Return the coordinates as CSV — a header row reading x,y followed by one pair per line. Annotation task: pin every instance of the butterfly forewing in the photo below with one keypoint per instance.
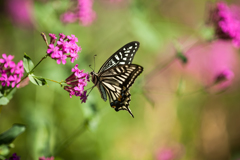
x,y
123,56
121,75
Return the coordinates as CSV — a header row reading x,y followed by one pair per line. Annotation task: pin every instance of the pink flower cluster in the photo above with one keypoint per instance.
x,y
83,13
227,22
11,73
76,83
66,48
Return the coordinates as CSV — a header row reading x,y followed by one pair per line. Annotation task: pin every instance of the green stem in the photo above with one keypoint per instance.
x,y
159,68
27,74
55,81
1,108
74,135
199,90
38,64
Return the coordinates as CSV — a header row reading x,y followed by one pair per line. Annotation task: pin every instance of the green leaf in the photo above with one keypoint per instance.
x,y
4,150
3,100
182,57
27,63
39,81
8,136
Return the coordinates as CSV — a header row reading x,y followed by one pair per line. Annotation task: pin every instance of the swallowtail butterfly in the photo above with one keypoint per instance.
x,y
117,75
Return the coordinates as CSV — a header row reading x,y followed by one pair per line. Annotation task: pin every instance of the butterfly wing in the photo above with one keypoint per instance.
x,y
116,82
123,56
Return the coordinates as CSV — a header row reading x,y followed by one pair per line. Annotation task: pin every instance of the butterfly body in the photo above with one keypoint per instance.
x,y
117,75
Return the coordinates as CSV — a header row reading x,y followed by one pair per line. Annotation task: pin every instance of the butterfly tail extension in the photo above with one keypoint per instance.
x,y
129,110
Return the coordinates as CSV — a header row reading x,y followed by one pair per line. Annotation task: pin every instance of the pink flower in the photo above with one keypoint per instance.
x,y
11,73
83,13
226,20
43,158
52,50
7,60
61,58
68,17
53,36
224,75
170,153
165,154
84,97
76,83
4,79
19,68
24,82
20,12
66,48
14,79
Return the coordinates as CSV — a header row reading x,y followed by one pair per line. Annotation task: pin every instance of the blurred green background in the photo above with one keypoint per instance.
x,y
199,126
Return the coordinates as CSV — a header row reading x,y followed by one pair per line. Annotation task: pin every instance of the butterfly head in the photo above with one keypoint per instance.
x,y
94,77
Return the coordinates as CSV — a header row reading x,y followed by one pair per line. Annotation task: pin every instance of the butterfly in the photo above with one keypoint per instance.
x,y
117,75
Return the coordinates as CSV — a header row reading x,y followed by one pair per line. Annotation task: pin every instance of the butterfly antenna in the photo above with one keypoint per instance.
x,y
91,67
128,109
94,61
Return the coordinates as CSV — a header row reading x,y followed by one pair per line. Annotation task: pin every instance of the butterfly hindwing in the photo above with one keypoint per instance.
x,y
103,92
122,102
123,56
117,81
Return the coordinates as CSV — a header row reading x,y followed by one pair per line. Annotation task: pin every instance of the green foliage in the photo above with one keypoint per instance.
x,y
27,63
39,81
4,150
8,136
3,100
182,57
6,96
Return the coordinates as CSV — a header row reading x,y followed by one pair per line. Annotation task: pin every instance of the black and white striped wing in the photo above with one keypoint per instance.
x,y
123,56
116,81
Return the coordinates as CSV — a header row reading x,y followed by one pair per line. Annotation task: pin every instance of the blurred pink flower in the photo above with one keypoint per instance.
x,y
165,154
20,11
83,13
212,63
68,17
224,75
43,158
24,82
226,20
170,153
